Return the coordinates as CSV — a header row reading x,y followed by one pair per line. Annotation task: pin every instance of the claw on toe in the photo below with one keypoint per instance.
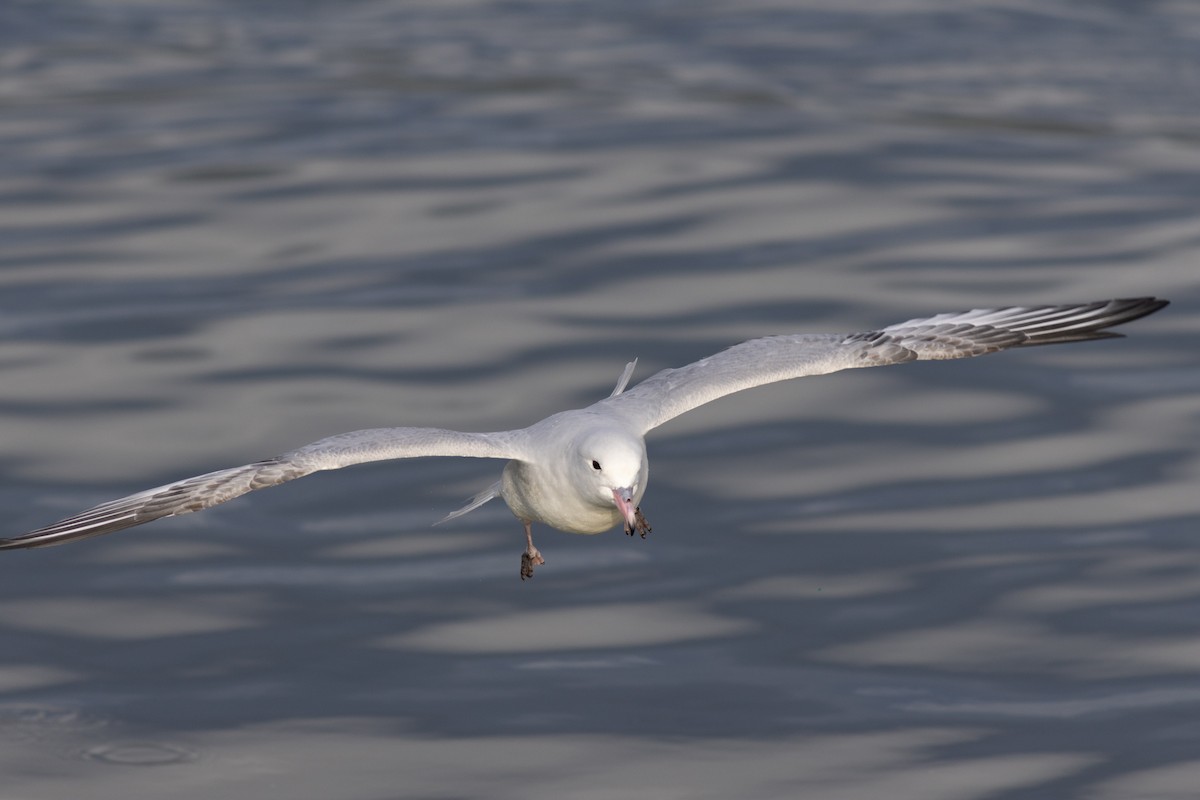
x,y
639,524
529,560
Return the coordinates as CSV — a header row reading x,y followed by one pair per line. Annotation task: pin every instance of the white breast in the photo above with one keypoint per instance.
x,y
545,495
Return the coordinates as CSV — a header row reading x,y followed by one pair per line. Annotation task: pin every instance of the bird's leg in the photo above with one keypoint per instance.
x,y
531,557
639,524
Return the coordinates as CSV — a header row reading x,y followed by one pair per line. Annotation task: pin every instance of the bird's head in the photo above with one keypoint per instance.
x,y
612,465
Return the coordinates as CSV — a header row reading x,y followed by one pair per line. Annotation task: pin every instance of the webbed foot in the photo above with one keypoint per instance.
x,y
639,524
529,559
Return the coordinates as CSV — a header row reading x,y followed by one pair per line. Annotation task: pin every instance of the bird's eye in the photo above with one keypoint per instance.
x,y
596,465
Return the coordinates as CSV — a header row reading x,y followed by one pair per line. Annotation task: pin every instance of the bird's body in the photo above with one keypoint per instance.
x,y
585,470
541,487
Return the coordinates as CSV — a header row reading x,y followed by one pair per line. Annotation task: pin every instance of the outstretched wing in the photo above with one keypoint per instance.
x,y
671,392
213,488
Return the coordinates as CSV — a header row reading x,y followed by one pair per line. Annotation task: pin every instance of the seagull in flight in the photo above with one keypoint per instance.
x,y
585,470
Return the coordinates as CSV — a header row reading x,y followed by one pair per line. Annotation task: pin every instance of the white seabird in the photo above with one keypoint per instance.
x,y
585,470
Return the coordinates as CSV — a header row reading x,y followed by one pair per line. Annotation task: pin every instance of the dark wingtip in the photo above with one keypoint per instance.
x,y
42,538
71,529
1109,314
22,542
1131,308
1127,309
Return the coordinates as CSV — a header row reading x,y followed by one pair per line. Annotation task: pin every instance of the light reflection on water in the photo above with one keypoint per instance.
x,y
229,230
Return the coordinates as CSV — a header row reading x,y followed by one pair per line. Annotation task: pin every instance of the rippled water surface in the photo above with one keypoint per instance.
x,y
227,229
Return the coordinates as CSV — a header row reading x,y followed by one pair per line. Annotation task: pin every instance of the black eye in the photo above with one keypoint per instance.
x,y
595,465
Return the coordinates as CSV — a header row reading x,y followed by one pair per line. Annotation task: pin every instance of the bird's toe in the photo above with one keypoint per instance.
x,y
643,527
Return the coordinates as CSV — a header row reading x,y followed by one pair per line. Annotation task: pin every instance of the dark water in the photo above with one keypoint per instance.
x,y
227,229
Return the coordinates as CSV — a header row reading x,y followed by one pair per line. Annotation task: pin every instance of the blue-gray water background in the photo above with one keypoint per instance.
x,y
229,228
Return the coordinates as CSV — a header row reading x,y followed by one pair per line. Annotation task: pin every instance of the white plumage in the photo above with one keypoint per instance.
x,y
585,470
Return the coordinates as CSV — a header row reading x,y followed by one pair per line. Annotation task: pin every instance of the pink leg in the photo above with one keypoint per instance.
x,y
531,557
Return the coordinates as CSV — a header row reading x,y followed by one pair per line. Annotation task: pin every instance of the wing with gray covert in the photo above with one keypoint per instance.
x,y
671,392
213,488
